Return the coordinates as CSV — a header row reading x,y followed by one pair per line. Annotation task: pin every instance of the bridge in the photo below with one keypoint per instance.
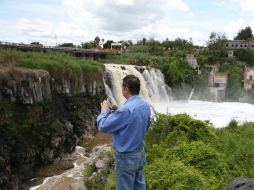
x,y
77,52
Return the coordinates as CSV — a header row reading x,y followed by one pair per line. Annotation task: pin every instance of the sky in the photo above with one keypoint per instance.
x,y
52,22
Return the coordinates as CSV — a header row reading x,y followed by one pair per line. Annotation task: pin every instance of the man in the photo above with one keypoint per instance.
x,y
128,124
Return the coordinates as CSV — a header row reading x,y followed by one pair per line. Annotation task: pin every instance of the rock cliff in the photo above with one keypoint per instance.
x,y
41,119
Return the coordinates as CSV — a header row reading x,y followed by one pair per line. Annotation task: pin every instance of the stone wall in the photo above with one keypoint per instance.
x,y
42,119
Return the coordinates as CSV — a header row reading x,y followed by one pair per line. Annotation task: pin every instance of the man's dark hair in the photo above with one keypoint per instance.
x,y
132,83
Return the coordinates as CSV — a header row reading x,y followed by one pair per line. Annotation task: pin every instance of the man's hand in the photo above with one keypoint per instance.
x,y
113,108
104,105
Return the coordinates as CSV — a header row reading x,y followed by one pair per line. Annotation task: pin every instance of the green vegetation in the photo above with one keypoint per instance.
x,y
59,65
244,34
97,178
246,55
184,153
26,123
177,71
150,54
237,141
88,172
234,85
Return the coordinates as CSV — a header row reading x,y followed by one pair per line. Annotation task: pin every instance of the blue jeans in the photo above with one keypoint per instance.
x,y
129,170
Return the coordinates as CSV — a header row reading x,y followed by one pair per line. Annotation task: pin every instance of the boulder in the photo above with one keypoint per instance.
x,y
241,184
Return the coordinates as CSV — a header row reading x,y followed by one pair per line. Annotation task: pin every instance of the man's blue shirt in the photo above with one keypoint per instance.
x,y
128,124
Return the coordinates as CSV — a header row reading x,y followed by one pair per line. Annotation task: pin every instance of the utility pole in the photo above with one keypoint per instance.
x,y
56,39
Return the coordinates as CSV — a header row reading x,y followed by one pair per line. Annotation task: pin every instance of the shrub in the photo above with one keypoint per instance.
x,y
177,129
205,159
184,153
237,145
163,175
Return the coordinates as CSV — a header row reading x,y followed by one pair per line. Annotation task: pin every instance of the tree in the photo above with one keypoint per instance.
x,y
87,45
178,44
234,83
107,44
217,50
177,71
97,41
37,44
154,47
126,44
67,45
142,42
244,34
246,55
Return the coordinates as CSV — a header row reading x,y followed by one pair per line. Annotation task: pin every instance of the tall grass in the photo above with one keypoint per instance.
x,y
238,143
139,58
60,65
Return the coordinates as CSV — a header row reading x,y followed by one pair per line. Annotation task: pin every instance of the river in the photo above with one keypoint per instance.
x,y
218,113
85,154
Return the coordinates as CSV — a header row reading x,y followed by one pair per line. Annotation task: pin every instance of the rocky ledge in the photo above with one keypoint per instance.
x,y
241,184
42,119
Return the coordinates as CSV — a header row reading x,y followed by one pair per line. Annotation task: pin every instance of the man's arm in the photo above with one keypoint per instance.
x,y
112,122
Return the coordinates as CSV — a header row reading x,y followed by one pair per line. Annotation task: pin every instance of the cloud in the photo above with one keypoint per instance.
x,y
177,5
116,20
247,7
234,26
36,27
244,8
123,16
82,20
44,30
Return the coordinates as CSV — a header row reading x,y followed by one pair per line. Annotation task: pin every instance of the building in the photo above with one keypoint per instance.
x,y
217,82
230,53
191,59
240,44
248,82
117,45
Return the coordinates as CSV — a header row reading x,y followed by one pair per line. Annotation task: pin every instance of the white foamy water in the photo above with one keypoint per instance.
x,y
157,93
219,114
73,178
70,179
153,87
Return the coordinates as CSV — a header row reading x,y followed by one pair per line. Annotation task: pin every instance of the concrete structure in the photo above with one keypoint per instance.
x,y
116,45
248,82
77,52
230,53
240,44
217,82
191,59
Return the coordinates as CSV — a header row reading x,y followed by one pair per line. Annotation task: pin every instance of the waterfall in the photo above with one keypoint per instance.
x,y
153,87
191,93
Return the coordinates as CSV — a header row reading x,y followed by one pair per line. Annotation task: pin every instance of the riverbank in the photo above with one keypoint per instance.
x,y
62,173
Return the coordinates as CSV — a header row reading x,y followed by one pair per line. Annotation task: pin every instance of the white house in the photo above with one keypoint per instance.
x,y
217,82
248,82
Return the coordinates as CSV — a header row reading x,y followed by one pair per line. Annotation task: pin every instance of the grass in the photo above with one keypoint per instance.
x,y
135,59
59,65
238,145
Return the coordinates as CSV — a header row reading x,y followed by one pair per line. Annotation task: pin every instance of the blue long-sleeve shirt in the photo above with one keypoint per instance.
x,y
128,124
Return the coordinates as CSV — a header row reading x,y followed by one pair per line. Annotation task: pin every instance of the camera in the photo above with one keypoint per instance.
x,y
112,107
